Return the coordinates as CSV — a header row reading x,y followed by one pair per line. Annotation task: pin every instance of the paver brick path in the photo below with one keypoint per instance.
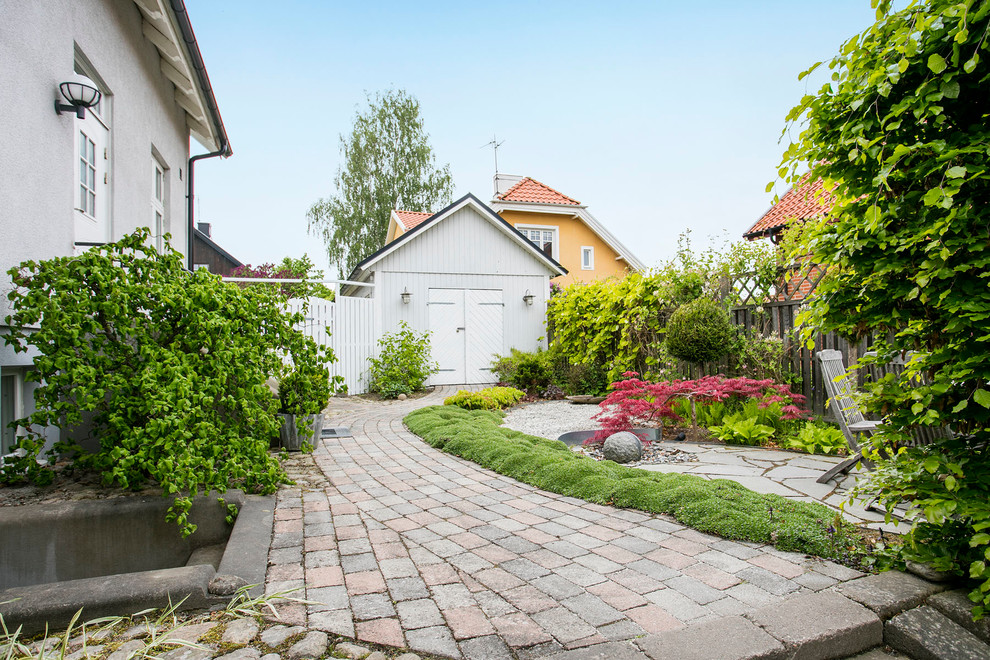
x,y
405,545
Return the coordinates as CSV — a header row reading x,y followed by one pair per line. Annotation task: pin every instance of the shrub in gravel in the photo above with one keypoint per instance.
x,y
718,506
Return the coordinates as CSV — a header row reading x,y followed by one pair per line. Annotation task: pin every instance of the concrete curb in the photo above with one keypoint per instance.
x,y
244,561
55,603
246,555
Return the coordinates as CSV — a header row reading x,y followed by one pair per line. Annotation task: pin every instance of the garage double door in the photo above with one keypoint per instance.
x,y
465,333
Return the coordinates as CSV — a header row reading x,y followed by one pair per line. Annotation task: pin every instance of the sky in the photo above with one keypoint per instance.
x,y
659,116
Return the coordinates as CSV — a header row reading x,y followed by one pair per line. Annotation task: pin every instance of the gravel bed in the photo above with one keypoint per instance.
x,y
551,419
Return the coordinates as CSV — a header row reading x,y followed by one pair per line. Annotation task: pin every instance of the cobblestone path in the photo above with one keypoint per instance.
x,y
400,544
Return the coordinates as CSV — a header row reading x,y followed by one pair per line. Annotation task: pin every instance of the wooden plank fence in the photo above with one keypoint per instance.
x,y
771,312
346,326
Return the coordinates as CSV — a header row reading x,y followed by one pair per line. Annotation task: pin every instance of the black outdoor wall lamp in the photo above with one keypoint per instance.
x,y
406,296
81,93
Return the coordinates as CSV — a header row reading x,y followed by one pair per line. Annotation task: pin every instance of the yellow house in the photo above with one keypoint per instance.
x,y
563,228
560,226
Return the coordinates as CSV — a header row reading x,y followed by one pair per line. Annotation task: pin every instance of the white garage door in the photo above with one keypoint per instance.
x,y
466,334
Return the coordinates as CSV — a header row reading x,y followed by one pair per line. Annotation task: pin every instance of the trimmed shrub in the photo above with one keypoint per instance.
x,y
700,331
490,398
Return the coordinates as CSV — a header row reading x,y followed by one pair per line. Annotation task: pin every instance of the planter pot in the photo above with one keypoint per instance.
x,y
317,428
289,436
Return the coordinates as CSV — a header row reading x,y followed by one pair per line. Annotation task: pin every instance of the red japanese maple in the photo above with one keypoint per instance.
x,y
639,403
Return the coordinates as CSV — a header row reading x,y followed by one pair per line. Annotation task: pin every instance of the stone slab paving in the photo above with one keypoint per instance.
x,y
402,545
786,473
789,474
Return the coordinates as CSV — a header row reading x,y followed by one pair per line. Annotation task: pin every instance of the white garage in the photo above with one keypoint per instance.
x,y
470,279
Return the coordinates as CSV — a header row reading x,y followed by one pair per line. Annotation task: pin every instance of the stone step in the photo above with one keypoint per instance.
x,y
924,633
957,606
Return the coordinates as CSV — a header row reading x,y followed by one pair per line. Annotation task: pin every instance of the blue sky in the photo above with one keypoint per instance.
x,y
660,116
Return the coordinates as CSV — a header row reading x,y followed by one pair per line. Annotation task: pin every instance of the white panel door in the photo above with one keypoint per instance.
x,y
447,335
92,199
484,333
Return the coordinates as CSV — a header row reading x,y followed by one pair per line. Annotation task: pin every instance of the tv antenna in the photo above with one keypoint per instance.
x,y
494,144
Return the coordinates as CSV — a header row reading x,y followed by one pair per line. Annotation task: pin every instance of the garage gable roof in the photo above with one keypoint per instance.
x,y
484,211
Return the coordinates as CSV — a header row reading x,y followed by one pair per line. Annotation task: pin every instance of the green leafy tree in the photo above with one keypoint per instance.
x,y
388,164
168,367
288,269
901,131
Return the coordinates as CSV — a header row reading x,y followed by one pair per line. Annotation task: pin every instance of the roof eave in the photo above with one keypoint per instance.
x,y
209,241
556,208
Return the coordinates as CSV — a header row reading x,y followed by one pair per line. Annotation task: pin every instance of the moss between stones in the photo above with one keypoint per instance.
x,y
718,506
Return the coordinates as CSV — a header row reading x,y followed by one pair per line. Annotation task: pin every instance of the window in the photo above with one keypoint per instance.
x,y
587,257
159,226
544,238
87,175
91,198
9,384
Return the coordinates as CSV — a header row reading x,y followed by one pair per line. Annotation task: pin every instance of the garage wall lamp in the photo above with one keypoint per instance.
x,y
81,93
406,296
528,297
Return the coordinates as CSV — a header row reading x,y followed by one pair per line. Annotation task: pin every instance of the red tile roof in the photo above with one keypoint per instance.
x,y
531,190
410,219
801,202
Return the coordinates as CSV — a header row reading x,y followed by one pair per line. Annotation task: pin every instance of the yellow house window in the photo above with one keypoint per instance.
x,y
587,257
544,238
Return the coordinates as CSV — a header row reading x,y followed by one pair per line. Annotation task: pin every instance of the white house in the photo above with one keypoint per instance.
x,y
78,179
469,278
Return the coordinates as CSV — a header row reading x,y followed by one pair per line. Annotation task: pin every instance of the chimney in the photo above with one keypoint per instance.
x,y
505,181
204,227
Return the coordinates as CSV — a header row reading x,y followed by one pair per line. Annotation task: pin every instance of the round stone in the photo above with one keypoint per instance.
x,y
226,585
622,447
402,397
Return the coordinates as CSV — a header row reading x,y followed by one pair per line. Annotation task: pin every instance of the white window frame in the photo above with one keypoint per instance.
x,y
590,251
555,238
159,196
96,228
17,399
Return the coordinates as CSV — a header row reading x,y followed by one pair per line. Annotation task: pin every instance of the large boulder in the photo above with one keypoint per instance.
x,y
622,447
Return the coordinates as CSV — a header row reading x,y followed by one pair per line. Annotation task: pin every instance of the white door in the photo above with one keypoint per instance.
x,y
92,199
484,333
447,333
465,334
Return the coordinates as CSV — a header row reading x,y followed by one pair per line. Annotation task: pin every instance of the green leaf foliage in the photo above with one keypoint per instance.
x,y
901,135
700,331
388,164
817,438
490,398
718,506
167,367
403,363
619,323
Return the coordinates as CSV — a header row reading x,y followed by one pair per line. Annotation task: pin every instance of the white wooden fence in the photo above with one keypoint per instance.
x,y
347,326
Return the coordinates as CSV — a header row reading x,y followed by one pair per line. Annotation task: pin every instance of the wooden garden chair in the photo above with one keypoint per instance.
x,y
846,412
920,435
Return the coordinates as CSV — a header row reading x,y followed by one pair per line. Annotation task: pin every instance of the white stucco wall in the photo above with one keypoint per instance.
x,y
39,40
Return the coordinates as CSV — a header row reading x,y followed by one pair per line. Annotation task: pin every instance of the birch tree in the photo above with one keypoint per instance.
x,y
387,163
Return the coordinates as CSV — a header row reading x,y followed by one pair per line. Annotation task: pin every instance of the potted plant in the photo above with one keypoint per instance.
x,y
303,393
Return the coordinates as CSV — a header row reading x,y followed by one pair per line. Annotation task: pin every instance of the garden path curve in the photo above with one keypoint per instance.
x,y
400,544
